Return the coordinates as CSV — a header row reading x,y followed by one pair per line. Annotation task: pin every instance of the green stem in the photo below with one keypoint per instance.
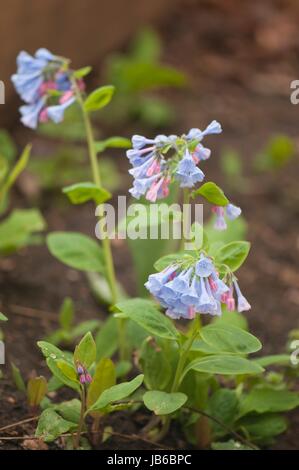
x,y
105,242
81,421
186,198
178,375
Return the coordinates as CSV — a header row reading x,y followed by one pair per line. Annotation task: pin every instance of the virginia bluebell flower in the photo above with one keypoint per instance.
x,y
44,82
166,159
228,298
187,172
185,292
231,211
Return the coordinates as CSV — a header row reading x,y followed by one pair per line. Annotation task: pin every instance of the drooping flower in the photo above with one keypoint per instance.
x,y
230,210
187,173
166,159
185,292
29,76
44,82
31,113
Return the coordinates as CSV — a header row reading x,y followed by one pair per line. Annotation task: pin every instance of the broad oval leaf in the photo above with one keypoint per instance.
x,y
167,260
155,365
60,374
262,427
82,192
146,314
85,351
99,98
51,425
224,365
3,317
268,400
212,193
76,250
162,403
230,339
116,393
49,350
103,378
67,369
233,254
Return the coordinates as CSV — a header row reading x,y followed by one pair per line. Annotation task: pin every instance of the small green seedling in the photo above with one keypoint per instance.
x,y
35,390
95,384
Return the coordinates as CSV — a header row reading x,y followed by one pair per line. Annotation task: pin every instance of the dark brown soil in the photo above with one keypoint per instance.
x,y
241,60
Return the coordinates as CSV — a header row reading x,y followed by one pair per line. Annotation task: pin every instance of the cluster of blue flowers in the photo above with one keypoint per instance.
x,y
196,289
153,170
43,82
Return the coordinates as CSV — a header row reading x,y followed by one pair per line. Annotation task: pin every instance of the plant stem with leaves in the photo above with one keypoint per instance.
x,y
81,420
109,264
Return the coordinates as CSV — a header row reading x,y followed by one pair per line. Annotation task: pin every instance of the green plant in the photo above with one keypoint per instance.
x,y
94,382
135,75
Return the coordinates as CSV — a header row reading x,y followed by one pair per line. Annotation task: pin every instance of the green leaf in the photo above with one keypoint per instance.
x,y
3,168
212,193
62,372
99,98
224,365
116,393
104,377
66,314
76,250
82,192
268,400
67,370
162,403
82,328
114,142
3,317
231,318
233,254
167,260
49,350
51,425
122,368
274,359
224,406
131,75
18,168
82,72
230,339
263,427
36,390
18,227
229,445
278,152
106,339
69,410
85,351
147,45
155,365
147,315
17,378
8,148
